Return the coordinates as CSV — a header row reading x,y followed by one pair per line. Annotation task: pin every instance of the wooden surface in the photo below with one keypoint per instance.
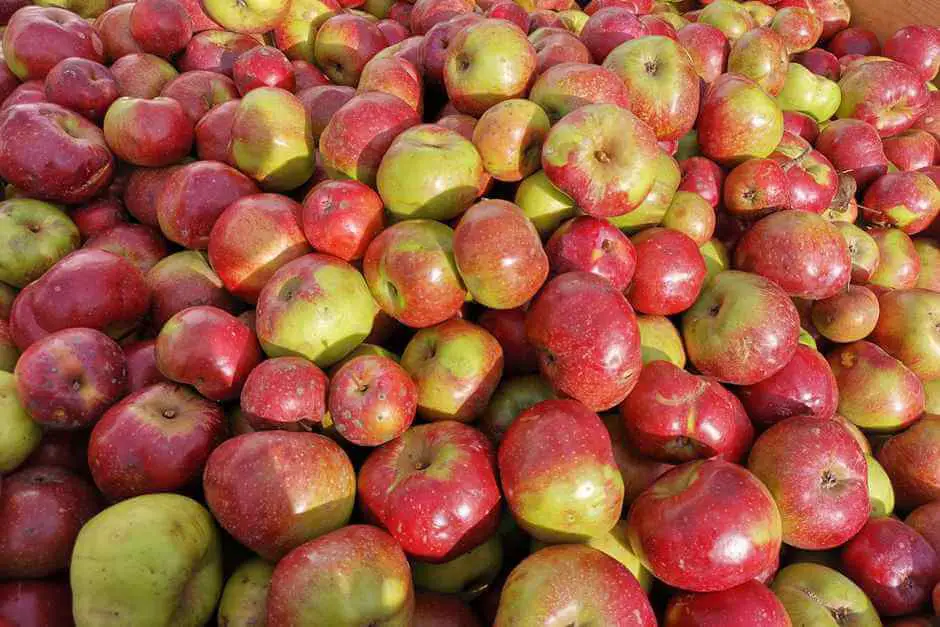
x,y
886,16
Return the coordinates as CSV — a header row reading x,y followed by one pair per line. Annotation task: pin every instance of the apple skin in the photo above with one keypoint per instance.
x,y
899,265
609,27
372,400
142,371
593,245
284,393
699,557
150,133
376,586
756,188
656,414
562,88
801,252
307,75
821,62
344,44
182,280
886,94
42,509
600,589
144,186
737,310
155,440
906,200
244,598
542,495
669,274
554,46
161,27
113,27
396,76
321,102
141,75
508,327
510,11
818,595
800,27
543,203
738,121
928,251
740,605
707,47
509,137
9,353
603,157
876,391
296,34
200,91
848,316
456,366
215,51
341,218
252,238
703,177
895,566
730,18
854,40
213,133
360,132
801,125
912,150
68,379
930,120
442,610
923,520
411,271
574,324
918,47
280,508
906,330
854,146
512,397
26,93
487,62
35,235
193,198
910,459
317,307
432,49
98,216
426,14
812,179
82,85
142,245
37,38
208,348
36,602
53,154
257,16
263,66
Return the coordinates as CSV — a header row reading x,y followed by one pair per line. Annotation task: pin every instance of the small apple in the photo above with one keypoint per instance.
x,y
182,280
909,201
150,133
141,75
161,27
508,327
898,266
36,38
593,245
372,400
34,235
284,393
215,51
245,596
669,274
200,91
849,316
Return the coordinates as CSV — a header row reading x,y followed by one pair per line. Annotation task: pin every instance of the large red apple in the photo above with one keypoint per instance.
x,y
670,272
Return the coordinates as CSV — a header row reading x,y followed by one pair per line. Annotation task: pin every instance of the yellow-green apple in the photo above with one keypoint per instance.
x,y
244,599
279,508
141,75
488,62
814,594
906,200
499,255
141,245
426,14
560,503
718,547
562,88
82,85
270,139
876,391
37,38
738,120
113,27
321,102
742,329
344,44
544,205
910,461
372,400
434,489
599,588
848,316
411,271
34,235
360,132
594,245
249,16
149,133
898,265
661,82
155,440
395,76
587,339
185,279
512,397
888,95
660,340
928,251
432,49
670,272
200,91
297,32
166,570
161,27
357,575
906,329
813,181
508,327
215,51
509,138
707,47
650,212
609,27
51,153
456,366
799,26
808,93
880,490
554,46
341,218
913,149
603,157
853,146
451,167
738,605
318,307
731,18
284,393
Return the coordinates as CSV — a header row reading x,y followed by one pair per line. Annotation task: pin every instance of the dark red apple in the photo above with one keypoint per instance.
x,y
854,40
215,51
756,188
912,150
142,245
82,85
36,38
98,216
443,610
284,393
36,603
185,279
142,368
151,133
593,245
213,133
200,91
609,27
263,66
161,27
912,461
508,327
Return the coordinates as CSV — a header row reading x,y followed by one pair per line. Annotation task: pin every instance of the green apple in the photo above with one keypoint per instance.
x,y
728,16
806,92
543,203
660,340
651,211
817,595
244,599
247,16
467,575
297,32
511,398
33,236
880,490
151,561
716,257
19,435
573,19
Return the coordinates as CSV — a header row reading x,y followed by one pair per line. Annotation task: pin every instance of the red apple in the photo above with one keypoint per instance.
x,y
344,44
801,125
756,188
321,103
736,606
738,121
609,27
213,133
910,459
141,75
432,49
511,12
284,393
508,327
669,274
924,520
151,133
703,177
443,610
342,218
593,245
428,13
918,47
114,28
909,201
556,45
142,368
913,149
899,265
37,38
848,316
98,216
707,47
141,245
161,27
854,146
821,62
307,75
143,187
395,76
36,603
888,95
182,280
854,40
215,51
263,66
199,92
800,27
812,179
372,400
393,31
26,93
82,85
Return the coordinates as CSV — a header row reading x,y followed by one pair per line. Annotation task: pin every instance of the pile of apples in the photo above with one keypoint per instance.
x,y
453,313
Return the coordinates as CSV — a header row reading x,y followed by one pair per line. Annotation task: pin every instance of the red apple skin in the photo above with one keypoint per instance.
x,y
161,27
37,38
670,272
200,21
36,603
912,150
213,133
143,188
341,218
893,564
930,120
41,511
673,416
812,179
912,461
609,27
854,146
577,324
637,471
393,31
821,62
590,244
917,47
543,495
114,28
750,603
756,188
284,393
640,7
854,40
263,66
400,11
372,400
208,348
804,387
566,86
924,520
26,93
360,40
68,379
195,196
432,50
97,216
321,102
82,85
442,610
142,75
65,449
511,12
544,18
142,368
703,177
151,133
428,13
909,201
556,45
155,440
183,280
307,75
215,51
434,489
803,253
708,47
729,130
888,95
899,265
730,534
508,327
801,125
254,236
199,92
279,508
141,245
53,154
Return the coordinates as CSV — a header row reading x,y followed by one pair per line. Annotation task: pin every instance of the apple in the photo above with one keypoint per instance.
x,y
254,16
26,93
35,602
813,181
317,307
707,47
182,280
906,330
909,459
433,46
113,27
82,85
200,91
818,595
718,546
215,51
244,598
543,203
144,186
918,47
876,391
660,341
279,508
923,521
141,75
906,200
928,251
930,120
738,120
372,400
19,435
853,146
284,393
898,266
756,188
886,94
738,605
213,133
669,274
142,368
161,27
554,46
321,102
37,38
510,11
296,33
821,62
376,586
396,76
141,245
508,327
806,92
341,218
849,316
150,133
599,589
169,427
97,216
442,610
34,235
729,17
307,75
344,44
913,149
562,88
487,62
880,490
703,177
800,27
608,27
166,570
650,212
509,138
863,250
855,40
512,397
455,366
593,245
